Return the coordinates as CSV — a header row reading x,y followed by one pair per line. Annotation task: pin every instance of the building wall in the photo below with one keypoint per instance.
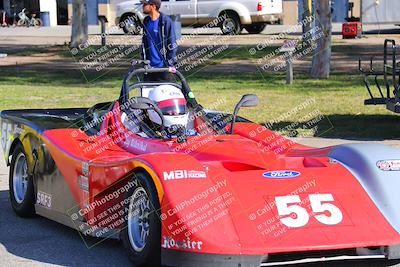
x,y
51,7
105,8
290,14
357,8
69,11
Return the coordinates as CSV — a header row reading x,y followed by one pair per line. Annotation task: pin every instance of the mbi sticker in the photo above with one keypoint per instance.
x,y
281,174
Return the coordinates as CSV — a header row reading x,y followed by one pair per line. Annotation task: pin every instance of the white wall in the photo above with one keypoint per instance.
x,y
7,6
51,7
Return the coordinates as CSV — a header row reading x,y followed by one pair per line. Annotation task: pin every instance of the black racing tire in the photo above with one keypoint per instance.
x,y
147,253
255,29
23,204
131,24
231,24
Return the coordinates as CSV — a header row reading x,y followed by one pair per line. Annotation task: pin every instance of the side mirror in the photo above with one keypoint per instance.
x,y
246,101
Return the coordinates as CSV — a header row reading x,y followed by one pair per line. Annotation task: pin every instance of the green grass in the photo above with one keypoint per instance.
x,y
338,100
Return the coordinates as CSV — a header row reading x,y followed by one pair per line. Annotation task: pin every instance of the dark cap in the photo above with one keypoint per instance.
x,y
157,3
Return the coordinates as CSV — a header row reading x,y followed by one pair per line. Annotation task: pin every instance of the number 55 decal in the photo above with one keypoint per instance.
x,y
287,205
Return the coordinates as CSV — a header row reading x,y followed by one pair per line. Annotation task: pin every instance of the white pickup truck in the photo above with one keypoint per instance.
x,y
232,15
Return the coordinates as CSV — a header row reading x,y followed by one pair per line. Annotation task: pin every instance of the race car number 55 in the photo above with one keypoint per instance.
x,y
288,206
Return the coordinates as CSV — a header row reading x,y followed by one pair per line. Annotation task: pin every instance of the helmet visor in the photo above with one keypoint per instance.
x,y
173,107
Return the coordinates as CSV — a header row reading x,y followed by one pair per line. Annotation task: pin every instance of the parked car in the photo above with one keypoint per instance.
x,y
253,15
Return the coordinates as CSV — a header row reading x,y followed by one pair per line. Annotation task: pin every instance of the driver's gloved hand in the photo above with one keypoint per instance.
x,y
177,131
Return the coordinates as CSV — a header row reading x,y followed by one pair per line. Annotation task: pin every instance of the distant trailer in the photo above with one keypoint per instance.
x,y
380,12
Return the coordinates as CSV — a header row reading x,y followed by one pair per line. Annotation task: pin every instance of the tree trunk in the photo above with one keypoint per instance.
x,y
307,8
321,62
79,33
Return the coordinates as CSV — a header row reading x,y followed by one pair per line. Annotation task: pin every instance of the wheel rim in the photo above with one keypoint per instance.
x,y
20,178
131,26
138,219
228,25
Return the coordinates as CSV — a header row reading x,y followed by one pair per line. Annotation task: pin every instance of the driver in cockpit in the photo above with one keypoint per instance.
x,y
172,103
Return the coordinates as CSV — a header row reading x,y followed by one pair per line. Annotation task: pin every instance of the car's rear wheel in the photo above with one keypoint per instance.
x,y
131,24
255,29
141,235
231,24
21,189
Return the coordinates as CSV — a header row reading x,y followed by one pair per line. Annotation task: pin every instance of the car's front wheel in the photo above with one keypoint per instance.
x,y
141,235
22,195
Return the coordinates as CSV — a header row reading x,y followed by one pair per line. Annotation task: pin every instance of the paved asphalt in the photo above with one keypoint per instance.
x,y
41,242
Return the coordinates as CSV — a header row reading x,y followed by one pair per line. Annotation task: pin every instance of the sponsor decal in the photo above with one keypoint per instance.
x,y
43,199
83,182
389,165
171,93
169,242
184,174
8,133
136,144
85,168
281,174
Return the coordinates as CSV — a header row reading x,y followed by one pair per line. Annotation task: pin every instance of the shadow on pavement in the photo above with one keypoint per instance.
x,y
39,239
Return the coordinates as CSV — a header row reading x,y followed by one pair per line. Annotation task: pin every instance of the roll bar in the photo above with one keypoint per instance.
x,y
145,69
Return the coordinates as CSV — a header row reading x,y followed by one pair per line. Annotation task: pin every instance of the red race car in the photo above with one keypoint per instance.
x,y
184,186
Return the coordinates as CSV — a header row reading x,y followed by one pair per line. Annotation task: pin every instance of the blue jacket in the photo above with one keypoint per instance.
x,y
168,39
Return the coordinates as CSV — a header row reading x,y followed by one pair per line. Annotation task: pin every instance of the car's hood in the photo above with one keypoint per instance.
x,y
259,184
248,211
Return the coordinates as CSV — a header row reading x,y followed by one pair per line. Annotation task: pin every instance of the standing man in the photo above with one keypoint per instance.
x,y
159,40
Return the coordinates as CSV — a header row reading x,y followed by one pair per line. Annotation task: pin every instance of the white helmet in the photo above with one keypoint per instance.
x,y
172,104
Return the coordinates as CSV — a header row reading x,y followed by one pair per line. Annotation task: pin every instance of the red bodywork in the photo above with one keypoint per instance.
x,y
233,210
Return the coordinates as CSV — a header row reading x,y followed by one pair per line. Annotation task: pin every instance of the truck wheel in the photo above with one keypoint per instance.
x,y
255,29
131,24
231,24
21,189
141,235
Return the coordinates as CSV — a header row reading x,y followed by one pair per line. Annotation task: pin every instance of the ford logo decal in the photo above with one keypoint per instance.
x,y
281,174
